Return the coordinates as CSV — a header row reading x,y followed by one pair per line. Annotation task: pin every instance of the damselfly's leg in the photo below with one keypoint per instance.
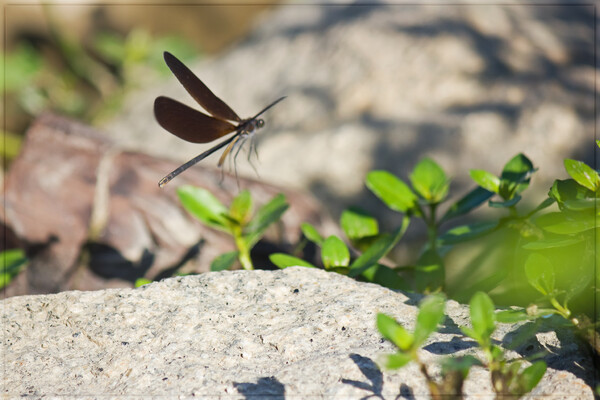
x,y
240,144
253,148
222,176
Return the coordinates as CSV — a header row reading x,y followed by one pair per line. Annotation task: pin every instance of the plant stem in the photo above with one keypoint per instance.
x,y
565,312
431,226
242,246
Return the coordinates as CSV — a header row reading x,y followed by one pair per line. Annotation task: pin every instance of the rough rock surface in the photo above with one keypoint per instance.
x,y
296,333
380,86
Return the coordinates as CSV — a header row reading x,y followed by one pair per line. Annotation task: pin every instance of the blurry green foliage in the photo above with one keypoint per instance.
x,y
11,263
141,282
91,81
245,227
85,81
336,256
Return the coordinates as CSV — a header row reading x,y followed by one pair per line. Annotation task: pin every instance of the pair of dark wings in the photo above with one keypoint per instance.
x,y
190,124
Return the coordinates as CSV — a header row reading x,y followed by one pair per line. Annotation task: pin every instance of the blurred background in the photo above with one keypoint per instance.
x,y
369,86
81,60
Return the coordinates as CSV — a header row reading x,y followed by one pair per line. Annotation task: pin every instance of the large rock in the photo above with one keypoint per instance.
x,y
296,333
380,86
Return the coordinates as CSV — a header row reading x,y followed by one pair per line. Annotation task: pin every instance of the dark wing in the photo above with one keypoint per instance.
x,y
199,91
187,123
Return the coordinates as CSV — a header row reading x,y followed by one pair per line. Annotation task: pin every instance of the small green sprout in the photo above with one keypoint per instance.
x,y
237,221
509,378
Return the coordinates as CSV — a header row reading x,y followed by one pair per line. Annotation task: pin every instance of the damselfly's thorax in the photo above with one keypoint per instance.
x,y
250,125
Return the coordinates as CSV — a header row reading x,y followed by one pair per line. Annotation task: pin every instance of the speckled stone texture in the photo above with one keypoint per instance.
x,y
296,333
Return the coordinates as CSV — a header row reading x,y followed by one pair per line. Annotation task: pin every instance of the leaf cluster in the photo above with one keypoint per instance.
x,y
11,263
238,220
509,378
86,80
363,232
532,238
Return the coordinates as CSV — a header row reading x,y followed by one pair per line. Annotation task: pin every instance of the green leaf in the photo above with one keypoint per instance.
x,y
20,67
496,353
531,376
11,263
473,199
203,205
589,204
470,332
385,276
11,260
462,364
378,250
483,318
577,284
536,312
335,253
515,176
568,189
110,46
430,181
585,175
394,332
540,273
561,223
512,316
429,272
486,180
467,232
544,204
392,191
5,279
224,261
363,244
285,260
11,145
141,282
241,207
431,314
551,243
357,224
504,204
517,168
312,234
266,215
395,361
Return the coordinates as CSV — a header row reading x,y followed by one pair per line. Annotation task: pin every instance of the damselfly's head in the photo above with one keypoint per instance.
x,y
254,124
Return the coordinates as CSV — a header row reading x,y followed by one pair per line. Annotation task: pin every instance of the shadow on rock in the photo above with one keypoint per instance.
x,y
371,372
269,388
